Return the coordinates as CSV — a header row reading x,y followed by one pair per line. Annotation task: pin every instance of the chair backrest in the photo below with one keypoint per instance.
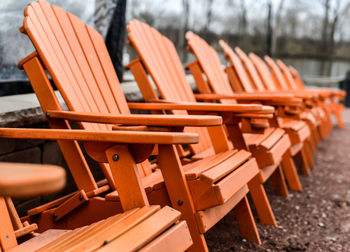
x,y
264,72
77,60
209,62
298,80
287,75
159,57
250,70
276,73
245,81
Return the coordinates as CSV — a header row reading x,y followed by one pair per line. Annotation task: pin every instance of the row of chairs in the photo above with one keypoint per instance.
x,y
206,156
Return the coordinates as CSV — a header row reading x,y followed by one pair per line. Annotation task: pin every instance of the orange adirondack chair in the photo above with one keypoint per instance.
x,y
150,228
158,56
77,60
297,130
315,117
294,82
208,63
320,110
339,94
259,79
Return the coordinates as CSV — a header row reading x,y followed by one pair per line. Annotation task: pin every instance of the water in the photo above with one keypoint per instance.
x,y
320,68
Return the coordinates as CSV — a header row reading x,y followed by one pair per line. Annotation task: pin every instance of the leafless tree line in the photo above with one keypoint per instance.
x,y
300,27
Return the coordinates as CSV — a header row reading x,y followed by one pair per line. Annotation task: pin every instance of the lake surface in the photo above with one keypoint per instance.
x,y
319,68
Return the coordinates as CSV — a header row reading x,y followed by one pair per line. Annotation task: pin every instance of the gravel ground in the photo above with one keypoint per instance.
x,y
316,219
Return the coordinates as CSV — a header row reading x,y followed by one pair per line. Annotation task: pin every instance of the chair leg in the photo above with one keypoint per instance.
x,y
336,109
309,157
304,164
178,191
261,202
246,222
317,136
337,113
313,141
290,172
279,182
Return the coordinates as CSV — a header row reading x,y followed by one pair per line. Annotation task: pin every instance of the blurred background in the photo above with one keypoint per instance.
x,y
312,35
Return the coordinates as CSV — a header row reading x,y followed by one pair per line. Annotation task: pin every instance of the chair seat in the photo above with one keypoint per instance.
x,y
147,229
214,180
269,147
310,117
297,130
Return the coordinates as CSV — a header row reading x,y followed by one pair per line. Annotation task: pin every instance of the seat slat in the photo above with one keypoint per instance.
x,y
169,241
274,138
92,236
144,232
194,170
224,168
256,139
111,230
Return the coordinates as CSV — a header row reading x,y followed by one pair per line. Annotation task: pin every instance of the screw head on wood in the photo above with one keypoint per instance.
x,y
115,157
81,197
180,202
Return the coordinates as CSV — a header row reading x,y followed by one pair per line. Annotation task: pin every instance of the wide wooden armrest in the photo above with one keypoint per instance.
x,y
27,180
325,93
266,112
305,95
139,119
198,106
127,137
246,96
267,99
295,93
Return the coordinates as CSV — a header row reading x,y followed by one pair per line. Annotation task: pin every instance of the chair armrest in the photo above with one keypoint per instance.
x,y
266,99
138,119
198,106
246,96
126,137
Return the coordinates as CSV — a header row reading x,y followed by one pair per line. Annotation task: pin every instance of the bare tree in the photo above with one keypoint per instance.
x,y
243,21
208,15
276,28
184,29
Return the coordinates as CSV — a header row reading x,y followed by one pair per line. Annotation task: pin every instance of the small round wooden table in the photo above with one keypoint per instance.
x,y
26,180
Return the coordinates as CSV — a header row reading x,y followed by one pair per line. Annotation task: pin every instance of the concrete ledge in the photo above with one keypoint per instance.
x,y
24,110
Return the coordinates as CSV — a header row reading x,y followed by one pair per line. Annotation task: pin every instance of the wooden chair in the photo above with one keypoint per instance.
x,y
241,72
77,60
159,58
261,74
282,81
149,228
216,86
328,96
